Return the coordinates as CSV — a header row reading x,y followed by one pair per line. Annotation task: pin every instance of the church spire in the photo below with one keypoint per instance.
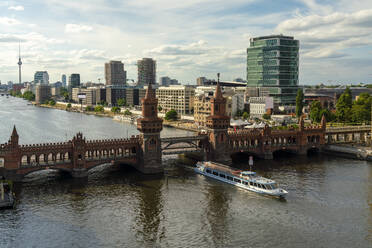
x,y
218,92
150,93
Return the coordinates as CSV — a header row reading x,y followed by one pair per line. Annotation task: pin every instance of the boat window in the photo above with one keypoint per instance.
x,y
237,180
215,173
274,186
250,183
268,186
208,171
255,184
246,183
229,178
222,175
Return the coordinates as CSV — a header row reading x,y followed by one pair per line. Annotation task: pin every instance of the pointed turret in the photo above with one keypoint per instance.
x,y
150,93
14,137
323,122
218,92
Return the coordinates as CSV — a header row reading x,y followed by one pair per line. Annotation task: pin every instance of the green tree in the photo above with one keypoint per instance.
x,y
127,112
115,109
68,106
245,115
343,106
89,108
64,93
99,108
28,95
121,102
171,115
315,111
52,102
299,102
361,109
266,116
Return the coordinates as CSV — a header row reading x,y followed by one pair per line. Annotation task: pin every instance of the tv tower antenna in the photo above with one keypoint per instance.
x,y
19,62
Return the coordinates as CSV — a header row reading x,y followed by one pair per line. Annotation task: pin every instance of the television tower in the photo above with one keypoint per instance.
x,y
19,62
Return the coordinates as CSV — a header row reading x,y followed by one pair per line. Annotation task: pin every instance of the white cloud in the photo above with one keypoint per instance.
x,y
16,8
9,21
77,28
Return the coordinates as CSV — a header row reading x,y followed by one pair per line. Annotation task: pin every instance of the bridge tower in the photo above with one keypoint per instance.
x,y
10,156
78,156
218,123
150,126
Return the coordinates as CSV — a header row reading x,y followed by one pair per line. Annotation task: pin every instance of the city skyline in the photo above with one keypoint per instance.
x,y
188,39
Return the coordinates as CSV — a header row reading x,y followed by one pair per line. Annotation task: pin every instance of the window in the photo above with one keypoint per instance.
x,y
255,184
237,180
229,178
222,175
246,183
250,183
215,173
259,185
208,171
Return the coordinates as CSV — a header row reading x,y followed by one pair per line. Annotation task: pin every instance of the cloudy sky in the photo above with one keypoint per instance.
x,y
188,38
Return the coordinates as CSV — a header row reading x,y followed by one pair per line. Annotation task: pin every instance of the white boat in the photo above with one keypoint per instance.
x,y
248,180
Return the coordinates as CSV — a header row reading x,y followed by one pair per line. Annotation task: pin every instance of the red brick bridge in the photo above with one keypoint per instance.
x,y
144,152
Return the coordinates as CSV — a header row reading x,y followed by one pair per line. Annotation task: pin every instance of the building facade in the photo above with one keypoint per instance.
x,y
146,71
258,106
114,94
41,77
74,80
272,64
179,98
202,103
64,80
42,93
115,73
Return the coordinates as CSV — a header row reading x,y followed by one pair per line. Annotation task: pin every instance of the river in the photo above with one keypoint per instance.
x,y
329,202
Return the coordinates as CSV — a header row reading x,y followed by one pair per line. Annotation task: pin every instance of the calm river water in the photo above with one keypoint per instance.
x,y
329,202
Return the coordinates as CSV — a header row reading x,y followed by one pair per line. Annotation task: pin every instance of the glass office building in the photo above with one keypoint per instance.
x,y
272,66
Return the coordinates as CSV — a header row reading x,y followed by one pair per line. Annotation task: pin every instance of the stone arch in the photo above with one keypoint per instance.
x,y
33,159
42,158
25,160
50,157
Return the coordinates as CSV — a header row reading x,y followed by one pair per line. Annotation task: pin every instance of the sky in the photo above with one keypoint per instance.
x,y
188,38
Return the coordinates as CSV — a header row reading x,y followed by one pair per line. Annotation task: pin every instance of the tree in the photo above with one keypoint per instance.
x,y
121,102
52,102
245,115
68,105
266,116
28,95
299,102
64,93
239,113
89,108
171,115
343,106
315,110
361,109
99,109
127,112
115,109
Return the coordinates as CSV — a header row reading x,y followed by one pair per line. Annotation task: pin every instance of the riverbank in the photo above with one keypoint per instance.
x,y
181,124
349,151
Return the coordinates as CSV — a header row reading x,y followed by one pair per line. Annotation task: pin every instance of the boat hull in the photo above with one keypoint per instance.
x,y
276,193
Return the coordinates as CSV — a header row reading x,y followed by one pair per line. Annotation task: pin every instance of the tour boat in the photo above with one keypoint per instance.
x,y
248,180
7,198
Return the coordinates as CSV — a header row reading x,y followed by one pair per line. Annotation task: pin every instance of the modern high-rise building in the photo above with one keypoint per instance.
x,y
272,64
41,77
74,80
64,81
146,71
115,73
